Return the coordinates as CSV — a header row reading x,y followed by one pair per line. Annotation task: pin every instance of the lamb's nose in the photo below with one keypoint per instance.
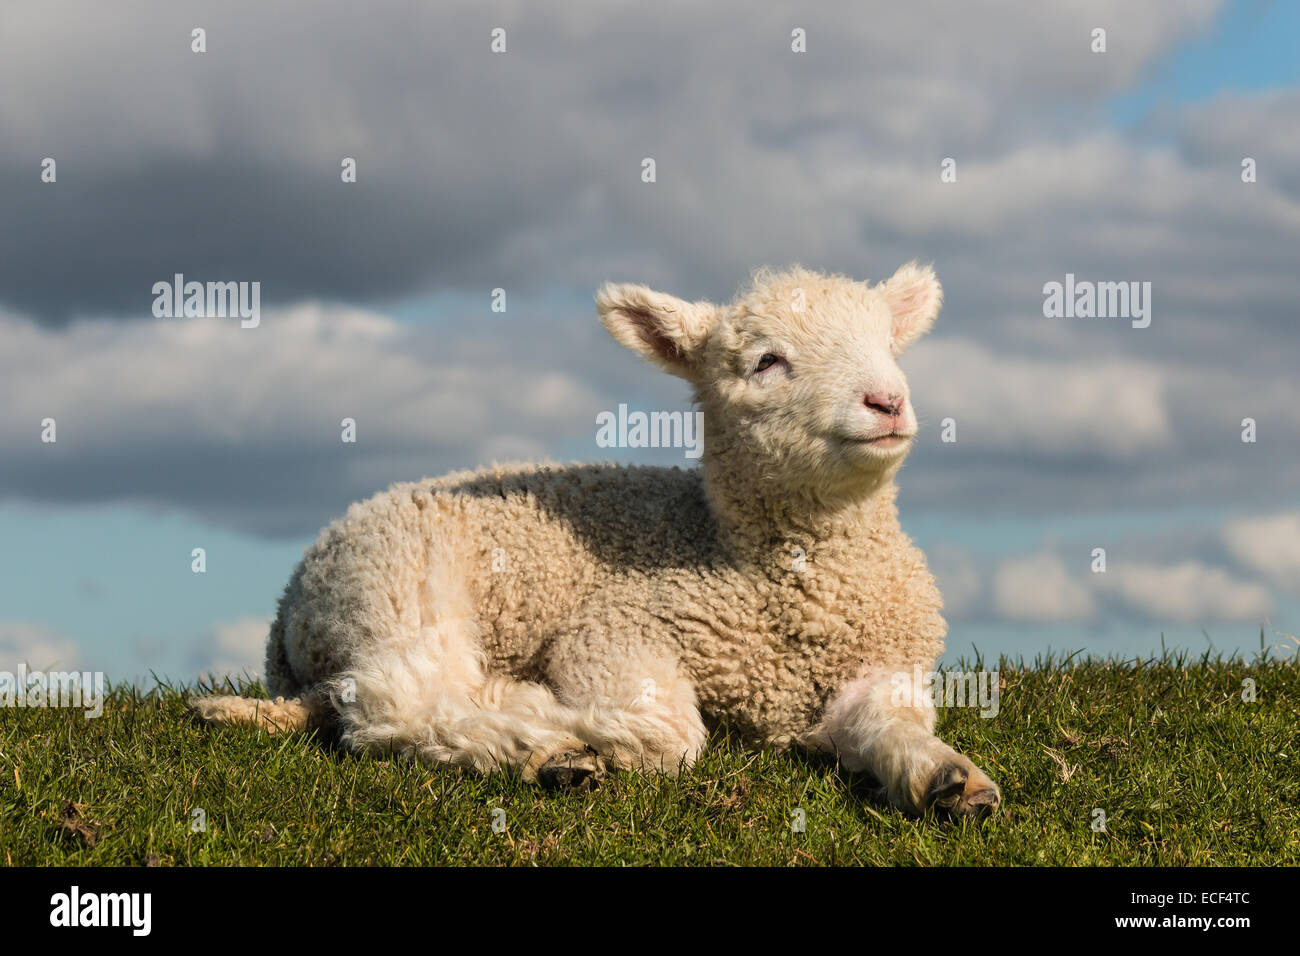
x,y
891,405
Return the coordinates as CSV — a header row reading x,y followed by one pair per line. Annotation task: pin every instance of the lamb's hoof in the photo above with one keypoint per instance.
x,y
963,792
572,770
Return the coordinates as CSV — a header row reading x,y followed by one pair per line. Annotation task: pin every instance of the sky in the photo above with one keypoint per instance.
x,y
522,171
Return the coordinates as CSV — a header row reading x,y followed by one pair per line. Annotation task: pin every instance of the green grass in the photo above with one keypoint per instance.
x,y
1186,772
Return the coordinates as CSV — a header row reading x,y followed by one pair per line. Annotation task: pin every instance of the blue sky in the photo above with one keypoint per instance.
x,y
1251,46
506,186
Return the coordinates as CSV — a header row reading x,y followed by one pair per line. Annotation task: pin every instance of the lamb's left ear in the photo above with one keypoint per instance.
x,y
914,297
668,331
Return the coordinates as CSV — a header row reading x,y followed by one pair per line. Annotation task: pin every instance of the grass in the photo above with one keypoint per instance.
x,y
1186,772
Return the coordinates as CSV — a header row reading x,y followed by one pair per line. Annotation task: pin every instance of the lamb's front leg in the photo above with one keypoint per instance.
x,y
876,725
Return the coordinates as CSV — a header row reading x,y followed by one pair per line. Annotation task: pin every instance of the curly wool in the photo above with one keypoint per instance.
x,y
574,568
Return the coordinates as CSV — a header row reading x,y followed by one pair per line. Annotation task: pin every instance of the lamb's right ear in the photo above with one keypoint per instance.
x,y
668,331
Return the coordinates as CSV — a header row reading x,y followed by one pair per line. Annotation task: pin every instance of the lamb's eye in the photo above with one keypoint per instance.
x,y
767,361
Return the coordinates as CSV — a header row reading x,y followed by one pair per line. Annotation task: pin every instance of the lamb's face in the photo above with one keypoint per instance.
x,y
798,377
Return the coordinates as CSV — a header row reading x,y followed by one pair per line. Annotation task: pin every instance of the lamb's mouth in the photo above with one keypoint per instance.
x,y
888,440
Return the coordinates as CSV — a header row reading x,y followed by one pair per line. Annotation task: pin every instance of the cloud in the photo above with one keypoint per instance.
x,y
1268,545
1186,593
1115,408
236,647
1235,122
244,425
1040,588
1157,582
33,644
1036,431
522,171
477,170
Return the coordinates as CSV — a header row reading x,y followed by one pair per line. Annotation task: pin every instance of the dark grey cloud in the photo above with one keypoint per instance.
x,y
97,246
517,169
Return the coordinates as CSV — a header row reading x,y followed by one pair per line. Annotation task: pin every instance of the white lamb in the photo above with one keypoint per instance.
x,y
559,619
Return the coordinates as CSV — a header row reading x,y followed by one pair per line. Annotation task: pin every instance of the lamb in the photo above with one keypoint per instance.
x,y
562,620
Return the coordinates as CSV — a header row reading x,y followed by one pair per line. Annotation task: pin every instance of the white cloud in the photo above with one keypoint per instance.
x,y
39,647
238,647
157,410
1115,407
293,378
1189,592
1040,588
1268,545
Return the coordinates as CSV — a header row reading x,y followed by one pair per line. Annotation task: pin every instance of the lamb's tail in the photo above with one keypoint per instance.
x,y
306,710
277,716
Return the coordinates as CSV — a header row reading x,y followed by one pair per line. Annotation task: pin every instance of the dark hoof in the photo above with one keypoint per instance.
x,y
946,786
980,802
963,792
572,770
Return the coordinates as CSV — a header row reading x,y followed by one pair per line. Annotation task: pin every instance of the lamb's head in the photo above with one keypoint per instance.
x,y
797,377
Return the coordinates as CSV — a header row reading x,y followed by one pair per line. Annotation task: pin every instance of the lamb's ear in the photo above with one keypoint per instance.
x,y
670,332
914,297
